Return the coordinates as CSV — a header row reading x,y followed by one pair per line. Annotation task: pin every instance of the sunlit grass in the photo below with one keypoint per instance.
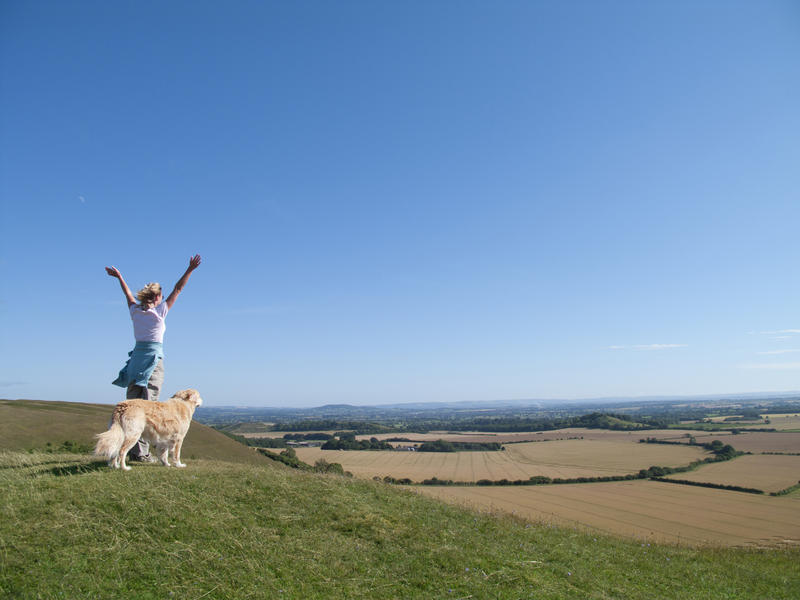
x,y
72,528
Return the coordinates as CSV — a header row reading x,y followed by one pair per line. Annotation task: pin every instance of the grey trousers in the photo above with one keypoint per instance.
x,y
142,449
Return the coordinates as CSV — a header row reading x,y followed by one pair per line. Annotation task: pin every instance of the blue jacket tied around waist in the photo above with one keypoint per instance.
x,y
141,363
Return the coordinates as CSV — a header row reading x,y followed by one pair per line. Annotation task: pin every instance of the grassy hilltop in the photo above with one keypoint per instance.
x,y
32,424
72,528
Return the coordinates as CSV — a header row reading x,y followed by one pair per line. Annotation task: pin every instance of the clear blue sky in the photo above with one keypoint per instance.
x,y
403,201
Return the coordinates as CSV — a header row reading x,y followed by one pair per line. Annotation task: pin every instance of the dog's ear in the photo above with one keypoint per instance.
x,y
192,396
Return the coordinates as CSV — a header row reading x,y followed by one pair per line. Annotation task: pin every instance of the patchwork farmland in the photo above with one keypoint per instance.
x,y
648,510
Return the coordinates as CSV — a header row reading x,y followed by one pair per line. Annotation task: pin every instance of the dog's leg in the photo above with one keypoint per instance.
x,y
123,451
163,455
177,453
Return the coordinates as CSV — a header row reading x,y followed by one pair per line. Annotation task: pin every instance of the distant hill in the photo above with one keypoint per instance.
x,y
32,424
688,407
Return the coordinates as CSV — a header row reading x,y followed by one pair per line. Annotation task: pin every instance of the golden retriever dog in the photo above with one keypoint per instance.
x,y
162,424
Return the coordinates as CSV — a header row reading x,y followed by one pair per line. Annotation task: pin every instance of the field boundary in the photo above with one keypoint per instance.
x,y
787,491
780,453
716,486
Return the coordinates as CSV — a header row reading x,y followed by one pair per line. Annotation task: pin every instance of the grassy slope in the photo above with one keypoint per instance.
x,y
31,424
72,528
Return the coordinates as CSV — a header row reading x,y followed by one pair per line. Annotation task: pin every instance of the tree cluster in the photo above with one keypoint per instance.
x,y
307,437
444,446
349,442
394,480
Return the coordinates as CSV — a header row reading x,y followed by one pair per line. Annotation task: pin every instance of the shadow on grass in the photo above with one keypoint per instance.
x,y
33,465
78,469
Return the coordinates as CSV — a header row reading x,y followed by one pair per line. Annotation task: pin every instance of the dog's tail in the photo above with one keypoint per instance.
x,y
109,442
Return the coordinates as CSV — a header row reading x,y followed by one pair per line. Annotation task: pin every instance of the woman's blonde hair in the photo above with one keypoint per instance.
x,y
148,294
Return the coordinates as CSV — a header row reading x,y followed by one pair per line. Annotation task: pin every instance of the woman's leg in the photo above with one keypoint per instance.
x,y
141,449
135,391
153,388
156,381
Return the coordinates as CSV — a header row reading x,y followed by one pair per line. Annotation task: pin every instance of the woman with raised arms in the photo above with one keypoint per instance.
x,y
143,374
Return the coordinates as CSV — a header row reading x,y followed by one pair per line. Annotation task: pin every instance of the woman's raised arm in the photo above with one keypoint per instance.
x,y
114,272
194,262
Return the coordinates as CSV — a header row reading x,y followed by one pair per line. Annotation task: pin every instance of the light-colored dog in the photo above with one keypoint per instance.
x,y
162,424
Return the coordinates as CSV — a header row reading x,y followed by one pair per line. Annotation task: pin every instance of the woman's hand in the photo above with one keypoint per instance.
x,y
114,272
194,262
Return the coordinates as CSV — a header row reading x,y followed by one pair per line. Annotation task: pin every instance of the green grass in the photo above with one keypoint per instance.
x,y
72,528
235,525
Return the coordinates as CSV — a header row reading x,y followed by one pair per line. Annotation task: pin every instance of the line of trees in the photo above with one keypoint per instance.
x,y
782,453
787,490
535,480
716,486
444,446
288,457
307,437
349,442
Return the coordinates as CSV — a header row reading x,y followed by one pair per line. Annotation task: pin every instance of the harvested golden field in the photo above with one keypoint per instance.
x,y
769,473
756,441
784,421
602,457
648,510
564,459
536,436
